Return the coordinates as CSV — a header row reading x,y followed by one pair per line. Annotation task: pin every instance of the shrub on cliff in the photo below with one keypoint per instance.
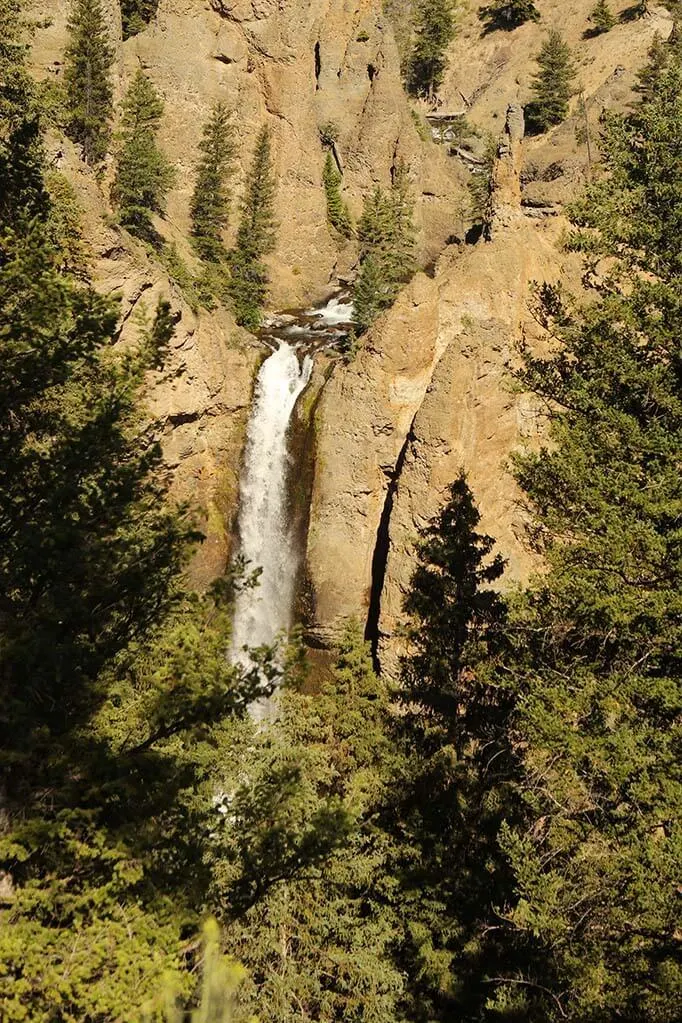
x,y
136,15
88,60
507,14
386,235
337,211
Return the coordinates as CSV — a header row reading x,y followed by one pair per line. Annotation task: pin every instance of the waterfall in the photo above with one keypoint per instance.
x,y
261,613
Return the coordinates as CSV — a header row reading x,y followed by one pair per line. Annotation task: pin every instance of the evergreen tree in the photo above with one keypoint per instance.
x,y
508,14
255,237
552,85
136,15
143,173
337,211
386,236
434,31
114,679
597,640
369,293
602,17
300,856
88,59
22,190
211,199
460,766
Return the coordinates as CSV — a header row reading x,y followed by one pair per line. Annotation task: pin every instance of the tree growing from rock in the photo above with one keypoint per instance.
x,y
434,29
210,205
143,172
552,85
386,235
337,211
602,18
88,59
507,14
255,237
136,15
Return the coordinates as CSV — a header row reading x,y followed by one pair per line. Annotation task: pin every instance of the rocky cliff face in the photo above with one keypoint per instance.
x,y
298,66
431,393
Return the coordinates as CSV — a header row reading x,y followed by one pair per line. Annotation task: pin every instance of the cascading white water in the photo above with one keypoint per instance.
x,y
263,612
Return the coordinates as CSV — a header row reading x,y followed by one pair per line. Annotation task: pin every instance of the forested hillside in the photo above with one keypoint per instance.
x,y
485,827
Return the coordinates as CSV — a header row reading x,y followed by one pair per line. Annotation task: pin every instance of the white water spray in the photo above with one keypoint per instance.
x,y
263,612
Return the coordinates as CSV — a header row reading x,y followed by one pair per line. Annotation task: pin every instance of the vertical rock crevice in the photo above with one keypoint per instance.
x,y
318,65
381,552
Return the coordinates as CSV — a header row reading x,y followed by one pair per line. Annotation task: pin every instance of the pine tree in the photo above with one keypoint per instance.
x,y
136,15
508,14
22,190
457,787
114,679
434,31
89,58
552,85
210,204
307,903
255,238
337,211
597,640
143,173
368,293
386,236
602,17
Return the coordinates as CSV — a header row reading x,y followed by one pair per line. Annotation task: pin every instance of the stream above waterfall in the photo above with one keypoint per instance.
x,y
267,537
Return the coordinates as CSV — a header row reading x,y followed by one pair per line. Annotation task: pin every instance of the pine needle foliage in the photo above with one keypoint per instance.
x,y
602,18
599,637
255,237
301,860
89,58
337,211
144,174
507,14
210,206
386,234
552,85
434,30
22,189
136,15
114,678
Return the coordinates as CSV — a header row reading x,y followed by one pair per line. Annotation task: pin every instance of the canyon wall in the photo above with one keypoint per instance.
x,y
432,392
297,66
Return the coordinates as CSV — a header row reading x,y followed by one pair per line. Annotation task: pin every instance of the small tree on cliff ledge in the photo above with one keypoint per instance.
x,y
89,58
210,205
507,14
255,238
434,31
552,85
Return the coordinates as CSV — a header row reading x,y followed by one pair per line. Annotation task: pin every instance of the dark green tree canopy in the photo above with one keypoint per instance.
x,y
434,28
507,14
143,172
552,85
210,206
255,237
89,58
